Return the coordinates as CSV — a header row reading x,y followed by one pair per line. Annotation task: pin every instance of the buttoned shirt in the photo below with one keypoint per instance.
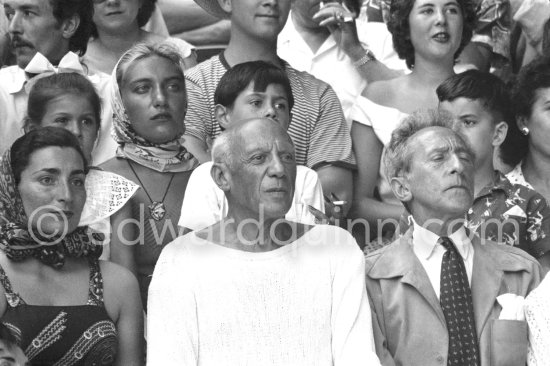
x,y
430,252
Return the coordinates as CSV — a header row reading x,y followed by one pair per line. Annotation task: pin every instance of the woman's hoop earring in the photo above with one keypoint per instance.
x,y
525,131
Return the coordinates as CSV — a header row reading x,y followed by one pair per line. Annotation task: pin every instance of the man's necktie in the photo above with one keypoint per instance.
x,y
456,303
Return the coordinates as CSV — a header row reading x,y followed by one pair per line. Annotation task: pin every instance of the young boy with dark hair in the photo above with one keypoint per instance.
x,y
503,212
248,90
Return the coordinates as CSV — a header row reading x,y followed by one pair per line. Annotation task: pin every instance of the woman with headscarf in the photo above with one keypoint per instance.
x,y
62,303
149,101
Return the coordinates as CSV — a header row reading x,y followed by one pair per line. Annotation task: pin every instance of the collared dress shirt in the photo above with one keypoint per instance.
x,y
430,253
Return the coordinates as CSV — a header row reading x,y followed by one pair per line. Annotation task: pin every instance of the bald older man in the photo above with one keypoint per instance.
x,y
254,288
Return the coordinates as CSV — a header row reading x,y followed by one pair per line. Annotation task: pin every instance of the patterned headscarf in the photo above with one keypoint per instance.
x,y
18,243
171,156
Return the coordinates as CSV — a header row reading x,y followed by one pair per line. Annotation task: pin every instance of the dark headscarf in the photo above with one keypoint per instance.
x,y
18,243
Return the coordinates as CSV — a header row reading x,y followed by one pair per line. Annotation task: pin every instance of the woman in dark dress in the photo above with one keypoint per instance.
x,y
64,305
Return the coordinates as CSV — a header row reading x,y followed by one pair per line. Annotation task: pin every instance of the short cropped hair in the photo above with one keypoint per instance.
x,y
239,77
481,86
50,87
221,148
143,15
144,50
397,157
64,9
398,25
493,93
37,139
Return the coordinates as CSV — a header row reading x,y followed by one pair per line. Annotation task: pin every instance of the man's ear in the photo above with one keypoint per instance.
x,y
401,189
499,133
221,176
226,5
222,115
70,25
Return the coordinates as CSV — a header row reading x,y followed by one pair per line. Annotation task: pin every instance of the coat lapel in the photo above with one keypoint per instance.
x,y
399,260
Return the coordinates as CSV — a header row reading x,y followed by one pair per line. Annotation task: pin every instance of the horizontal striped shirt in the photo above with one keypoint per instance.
x,y
317,128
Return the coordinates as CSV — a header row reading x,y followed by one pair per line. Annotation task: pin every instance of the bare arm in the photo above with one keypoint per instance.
x,y
123,303
216,33
184,15
368,151
345,33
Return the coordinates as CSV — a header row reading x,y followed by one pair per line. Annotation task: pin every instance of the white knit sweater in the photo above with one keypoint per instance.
x,y
302,304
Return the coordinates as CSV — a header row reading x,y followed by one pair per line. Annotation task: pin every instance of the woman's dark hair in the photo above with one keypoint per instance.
x,y
531,78
239,77
50,87
37,139
143,16
398,25
64,9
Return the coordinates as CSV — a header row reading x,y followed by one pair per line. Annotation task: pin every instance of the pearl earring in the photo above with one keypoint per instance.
x,y
525,131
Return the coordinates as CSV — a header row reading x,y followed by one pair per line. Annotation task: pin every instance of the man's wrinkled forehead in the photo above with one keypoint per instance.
x,y
439,139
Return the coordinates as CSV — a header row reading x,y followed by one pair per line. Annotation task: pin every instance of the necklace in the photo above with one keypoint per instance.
x,y
157,210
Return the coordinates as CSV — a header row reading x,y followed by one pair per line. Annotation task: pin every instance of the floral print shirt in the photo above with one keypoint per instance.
x,y
511,214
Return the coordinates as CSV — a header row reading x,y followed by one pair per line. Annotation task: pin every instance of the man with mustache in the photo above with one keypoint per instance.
x,y
318,127
436,291
57,30
255,288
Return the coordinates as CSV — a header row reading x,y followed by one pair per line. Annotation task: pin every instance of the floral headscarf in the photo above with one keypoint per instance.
x,y
167,157
18,243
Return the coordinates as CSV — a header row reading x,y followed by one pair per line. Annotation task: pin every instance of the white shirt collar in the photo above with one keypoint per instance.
x,y
16,80
425,241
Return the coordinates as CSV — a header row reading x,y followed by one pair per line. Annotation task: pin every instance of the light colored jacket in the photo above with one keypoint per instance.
x,y
409,325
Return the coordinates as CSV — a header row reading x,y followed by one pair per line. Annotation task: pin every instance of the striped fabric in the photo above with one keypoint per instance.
x,y
318,128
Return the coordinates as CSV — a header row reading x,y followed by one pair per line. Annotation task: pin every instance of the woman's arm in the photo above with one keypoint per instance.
x,y
123,304
125,237
368,151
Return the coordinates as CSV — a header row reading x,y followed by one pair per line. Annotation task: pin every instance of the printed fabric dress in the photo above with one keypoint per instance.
x,y
63,335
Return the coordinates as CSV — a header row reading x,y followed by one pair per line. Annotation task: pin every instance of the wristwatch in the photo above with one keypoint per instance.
x,y
367,57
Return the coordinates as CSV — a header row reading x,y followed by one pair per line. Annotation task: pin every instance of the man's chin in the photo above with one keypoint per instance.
x,y
24,55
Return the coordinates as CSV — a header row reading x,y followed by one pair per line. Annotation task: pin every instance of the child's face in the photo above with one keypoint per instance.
x,y
76,114
477,124
12,356
271,103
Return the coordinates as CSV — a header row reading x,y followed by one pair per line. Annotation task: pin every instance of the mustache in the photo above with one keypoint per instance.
x,y
17,41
